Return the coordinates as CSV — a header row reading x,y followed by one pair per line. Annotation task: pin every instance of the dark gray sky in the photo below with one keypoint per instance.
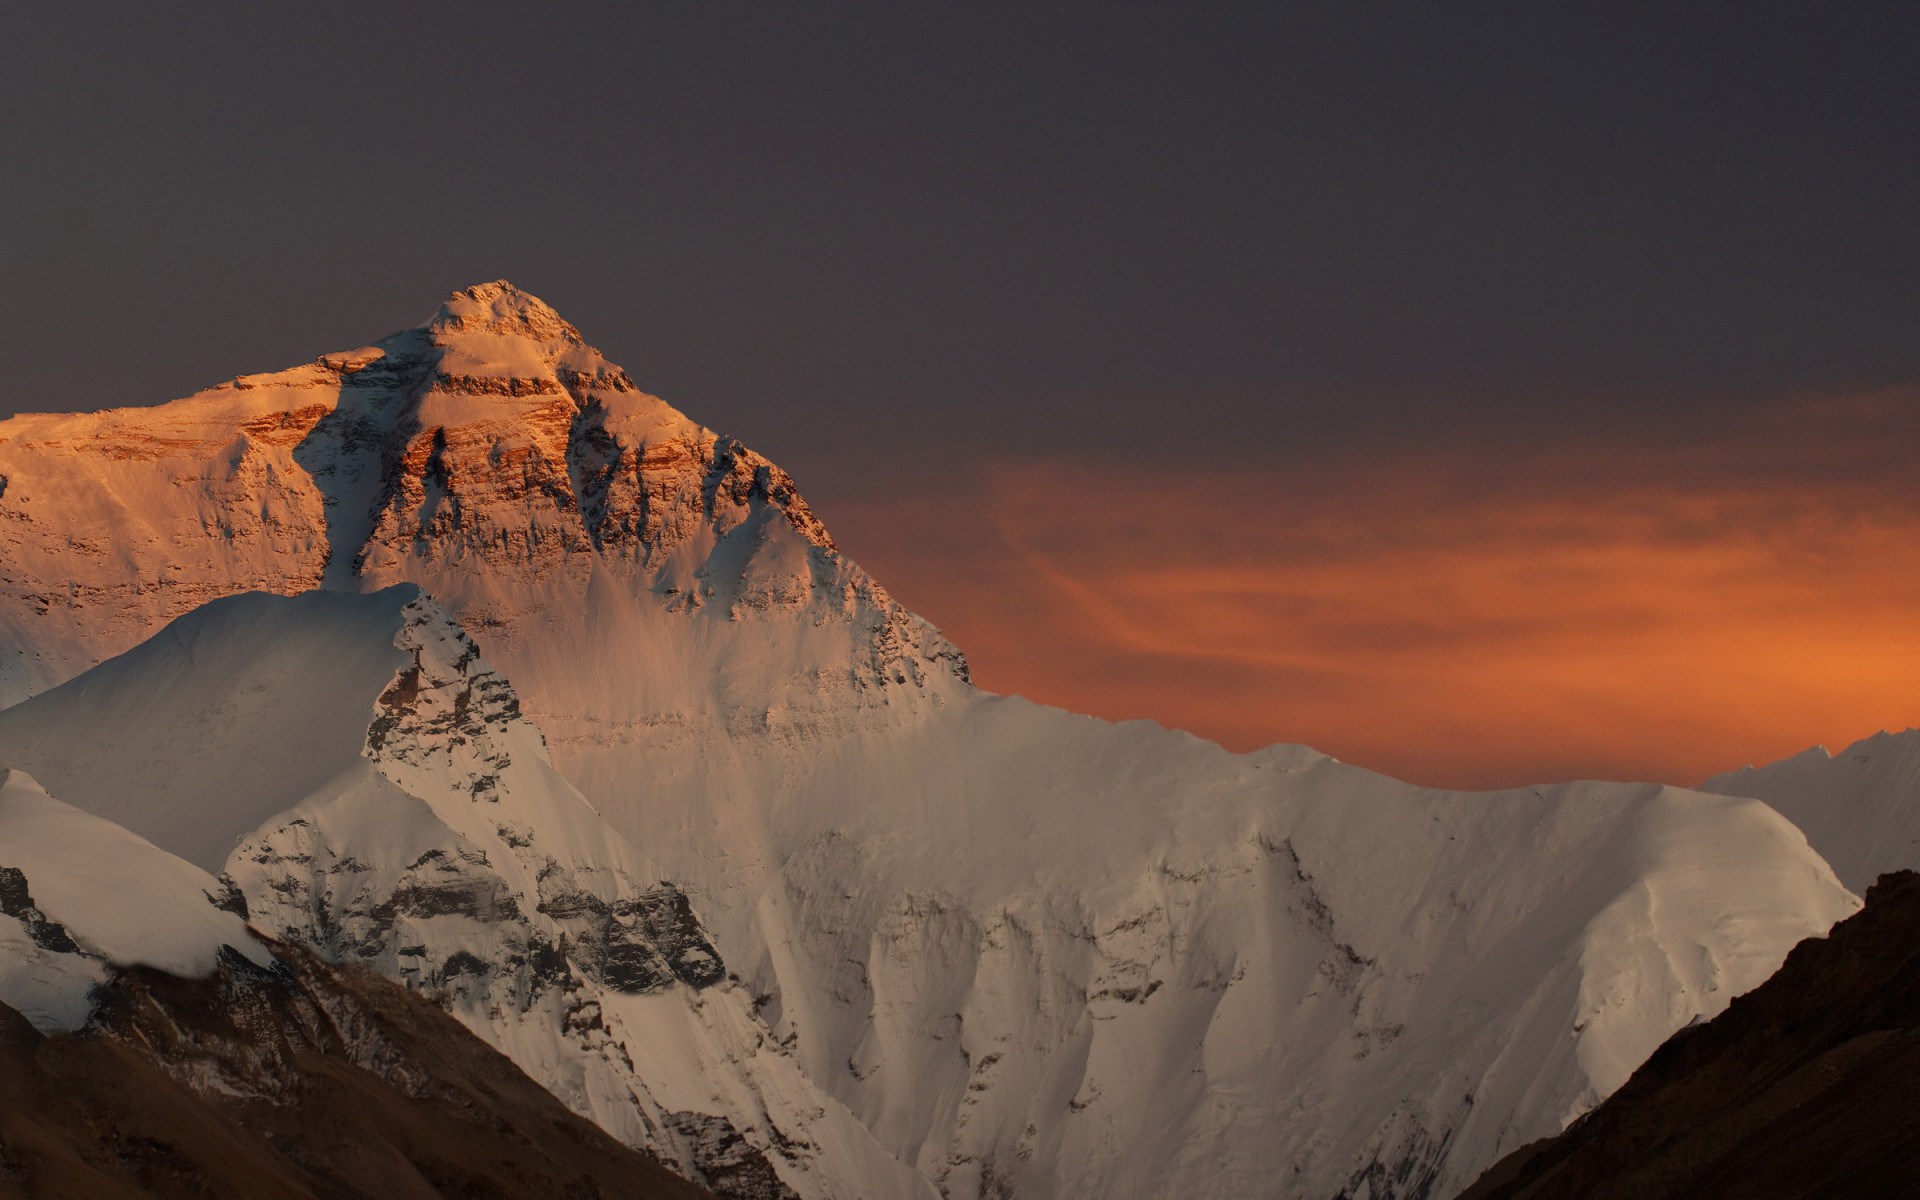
x,y
835,229
1543,374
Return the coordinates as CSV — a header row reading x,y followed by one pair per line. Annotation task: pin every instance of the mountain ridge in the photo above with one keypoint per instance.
x,y
298,1081
1858,807
994,940
1802,1088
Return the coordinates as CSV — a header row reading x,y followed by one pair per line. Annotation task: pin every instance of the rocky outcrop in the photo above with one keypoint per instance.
x,y
290,1081
463,866
17,902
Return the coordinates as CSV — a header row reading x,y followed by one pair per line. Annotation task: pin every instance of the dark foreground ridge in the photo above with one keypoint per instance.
x,y
1803,1088
309,1081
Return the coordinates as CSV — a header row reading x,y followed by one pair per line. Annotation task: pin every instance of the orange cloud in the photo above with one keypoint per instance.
x,y
1468,617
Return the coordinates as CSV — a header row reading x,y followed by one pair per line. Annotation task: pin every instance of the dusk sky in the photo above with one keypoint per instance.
x,y
1483,394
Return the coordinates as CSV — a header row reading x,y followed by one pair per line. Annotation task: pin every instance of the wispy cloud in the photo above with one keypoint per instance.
x,y
1467,615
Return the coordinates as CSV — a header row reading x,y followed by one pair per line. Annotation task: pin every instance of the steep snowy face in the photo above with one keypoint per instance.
x,y
1860,808
490,452
1804,1089
1304,972
1211,974
370,790
80,896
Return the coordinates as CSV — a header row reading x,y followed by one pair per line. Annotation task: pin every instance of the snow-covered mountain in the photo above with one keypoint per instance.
x,y
80,897
490,454
1860,808
256,1075
218,1063
1028,953
366,787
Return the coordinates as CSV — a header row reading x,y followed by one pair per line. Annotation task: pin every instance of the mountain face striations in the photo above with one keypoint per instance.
x,y
405,819
568,713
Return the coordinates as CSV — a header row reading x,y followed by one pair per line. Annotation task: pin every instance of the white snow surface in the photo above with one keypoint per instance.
x,y
120,901
443,851
1034,954
1860,808
299,673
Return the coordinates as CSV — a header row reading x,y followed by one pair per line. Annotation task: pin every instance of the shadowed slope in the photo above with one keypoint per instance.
x,y
293,1083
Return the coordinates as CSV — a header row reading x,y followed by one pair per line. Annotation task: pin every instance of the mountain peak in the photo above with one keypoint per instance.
x,y
501,308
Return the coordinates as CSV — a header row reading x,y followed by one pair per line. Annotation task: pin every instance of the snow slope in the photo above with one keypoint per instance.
x,y
363,779
1801,1091
80,896
1033,953
1860,808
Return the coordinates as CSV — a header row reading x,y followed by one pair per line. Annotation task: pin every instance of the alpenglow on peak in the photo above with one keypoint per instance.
x,y
489,450
503,309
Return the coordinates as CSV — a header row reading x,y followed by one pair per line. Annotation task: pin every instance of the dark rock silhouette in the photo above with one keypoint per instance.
x,y
303,1081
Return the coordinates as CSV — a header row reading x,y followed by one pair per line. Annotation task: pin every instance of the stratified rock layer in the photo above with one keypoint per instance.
x,y
490,441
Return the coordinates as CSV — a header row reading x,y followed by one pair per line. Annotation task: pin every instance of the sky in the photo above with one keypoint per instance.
x,y
1480,393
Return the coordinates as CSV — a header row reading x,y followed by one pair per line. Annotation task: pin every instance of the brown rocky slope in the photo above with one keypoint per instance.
x,y
307,1081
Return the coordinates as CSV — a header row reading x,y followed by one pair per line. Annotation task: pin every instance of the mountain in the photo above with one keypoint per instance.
x,y
151,1044
1860,808
80,897
292,1082
490,455
364,783
1802,1088
1021,952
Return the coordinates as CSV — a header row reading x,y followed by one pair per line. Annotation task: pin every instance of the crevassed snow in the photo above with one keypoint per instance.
x,y
119,899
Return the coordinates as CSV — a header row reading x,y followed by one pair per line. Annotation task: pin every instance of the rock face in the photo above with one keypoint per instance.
x,y
1802,1088
491,441
81,897
289,1081
17,902
1021,952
